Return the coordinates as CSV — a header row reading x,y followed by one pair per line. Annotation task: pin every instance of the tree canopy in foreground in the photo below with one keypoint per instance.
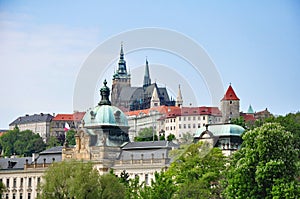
x,y
265,166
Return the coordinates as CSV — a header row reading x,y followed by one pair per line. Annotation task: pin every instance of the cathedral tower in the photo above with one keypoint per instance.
x,y
179,100
120,79
230,105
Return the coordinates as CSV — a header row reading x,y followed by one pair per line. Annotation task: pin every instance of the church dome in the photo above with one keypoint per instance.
x,y
104,114
222,130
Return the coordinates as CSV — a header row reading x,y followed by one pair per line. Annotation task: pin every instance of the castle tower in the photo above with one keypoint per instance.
x,y
230,105
155,99
179,100
120,79
147,80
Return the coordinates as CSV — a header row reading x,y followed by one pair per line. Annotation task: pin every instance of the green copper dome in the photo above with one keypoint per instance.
x,y
104,113
222,130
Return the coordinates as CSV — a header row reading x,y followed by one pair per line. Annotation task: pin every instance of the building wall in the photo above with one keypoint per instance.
x,y
41,128
180,125
21,184
139,122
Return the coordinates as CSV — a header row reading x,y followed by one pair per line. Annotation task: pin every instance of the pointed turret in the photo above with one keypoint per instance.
x,y
179,100
230,94
147,80
122,63
250,110
155,98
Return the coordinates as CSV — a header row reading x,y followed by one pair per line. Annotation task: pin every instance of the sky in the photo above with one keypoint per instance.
x,y
254,45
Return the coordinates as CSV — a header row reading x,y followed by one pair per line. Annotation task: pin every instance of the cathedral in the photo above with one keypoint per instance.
x,y
130,98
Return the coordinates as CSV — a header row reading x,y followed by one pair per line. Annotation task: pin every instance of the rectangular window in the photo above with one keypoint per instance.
x,y
14,196
199,118
21,182
38,180
7,183
29,196
15,183
179,118
184,126
194,118
199,125
183,118
29,182
203,117
179,126
189,126
21,196
189,118
194,125
146,179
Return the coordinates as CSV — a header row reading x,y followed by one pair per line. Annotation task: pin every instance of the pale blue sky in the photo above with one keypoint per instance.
x,y
255,45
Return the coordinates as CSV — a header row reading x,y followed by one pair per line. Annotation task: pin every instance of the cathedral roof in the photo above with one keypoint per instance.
x,y
230,94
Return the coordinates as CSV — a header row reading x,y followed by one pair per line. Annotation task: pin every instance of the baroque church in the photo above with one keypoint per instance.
x,y
129,98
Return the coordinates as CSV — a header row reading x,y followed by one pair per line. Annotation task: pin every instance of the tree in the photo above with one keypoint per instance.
x,y
52,142
171,137
111,188
162,187
265,166
198,172
71,179
22,143
239,121
71,137
146,134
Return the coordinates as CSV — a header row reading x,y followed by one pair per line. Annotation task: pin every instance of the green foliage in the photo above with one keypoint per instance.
x,y
22,143
146,134
71,180
124,177
111,188
196,170
71,137
52,142
2,189
171,137
265,166
239,121
133,189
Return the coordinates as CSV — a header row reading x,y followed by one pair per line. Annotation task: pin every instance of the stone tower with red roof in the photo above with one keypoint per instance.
x,y
230,105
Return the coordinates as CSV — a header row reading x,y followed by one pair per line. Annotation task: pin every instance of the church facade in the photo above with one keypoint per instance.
x,y
129,98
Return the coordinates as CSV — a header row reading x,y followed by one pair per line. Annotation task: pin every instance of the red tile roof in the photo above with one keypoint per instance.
x,y
161,109
230,94
248,117
69,117
173,111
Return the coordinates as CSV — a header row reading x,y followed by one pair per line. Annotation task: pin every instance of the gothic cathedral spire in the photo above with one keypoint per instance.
x,y
122,63
147,80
